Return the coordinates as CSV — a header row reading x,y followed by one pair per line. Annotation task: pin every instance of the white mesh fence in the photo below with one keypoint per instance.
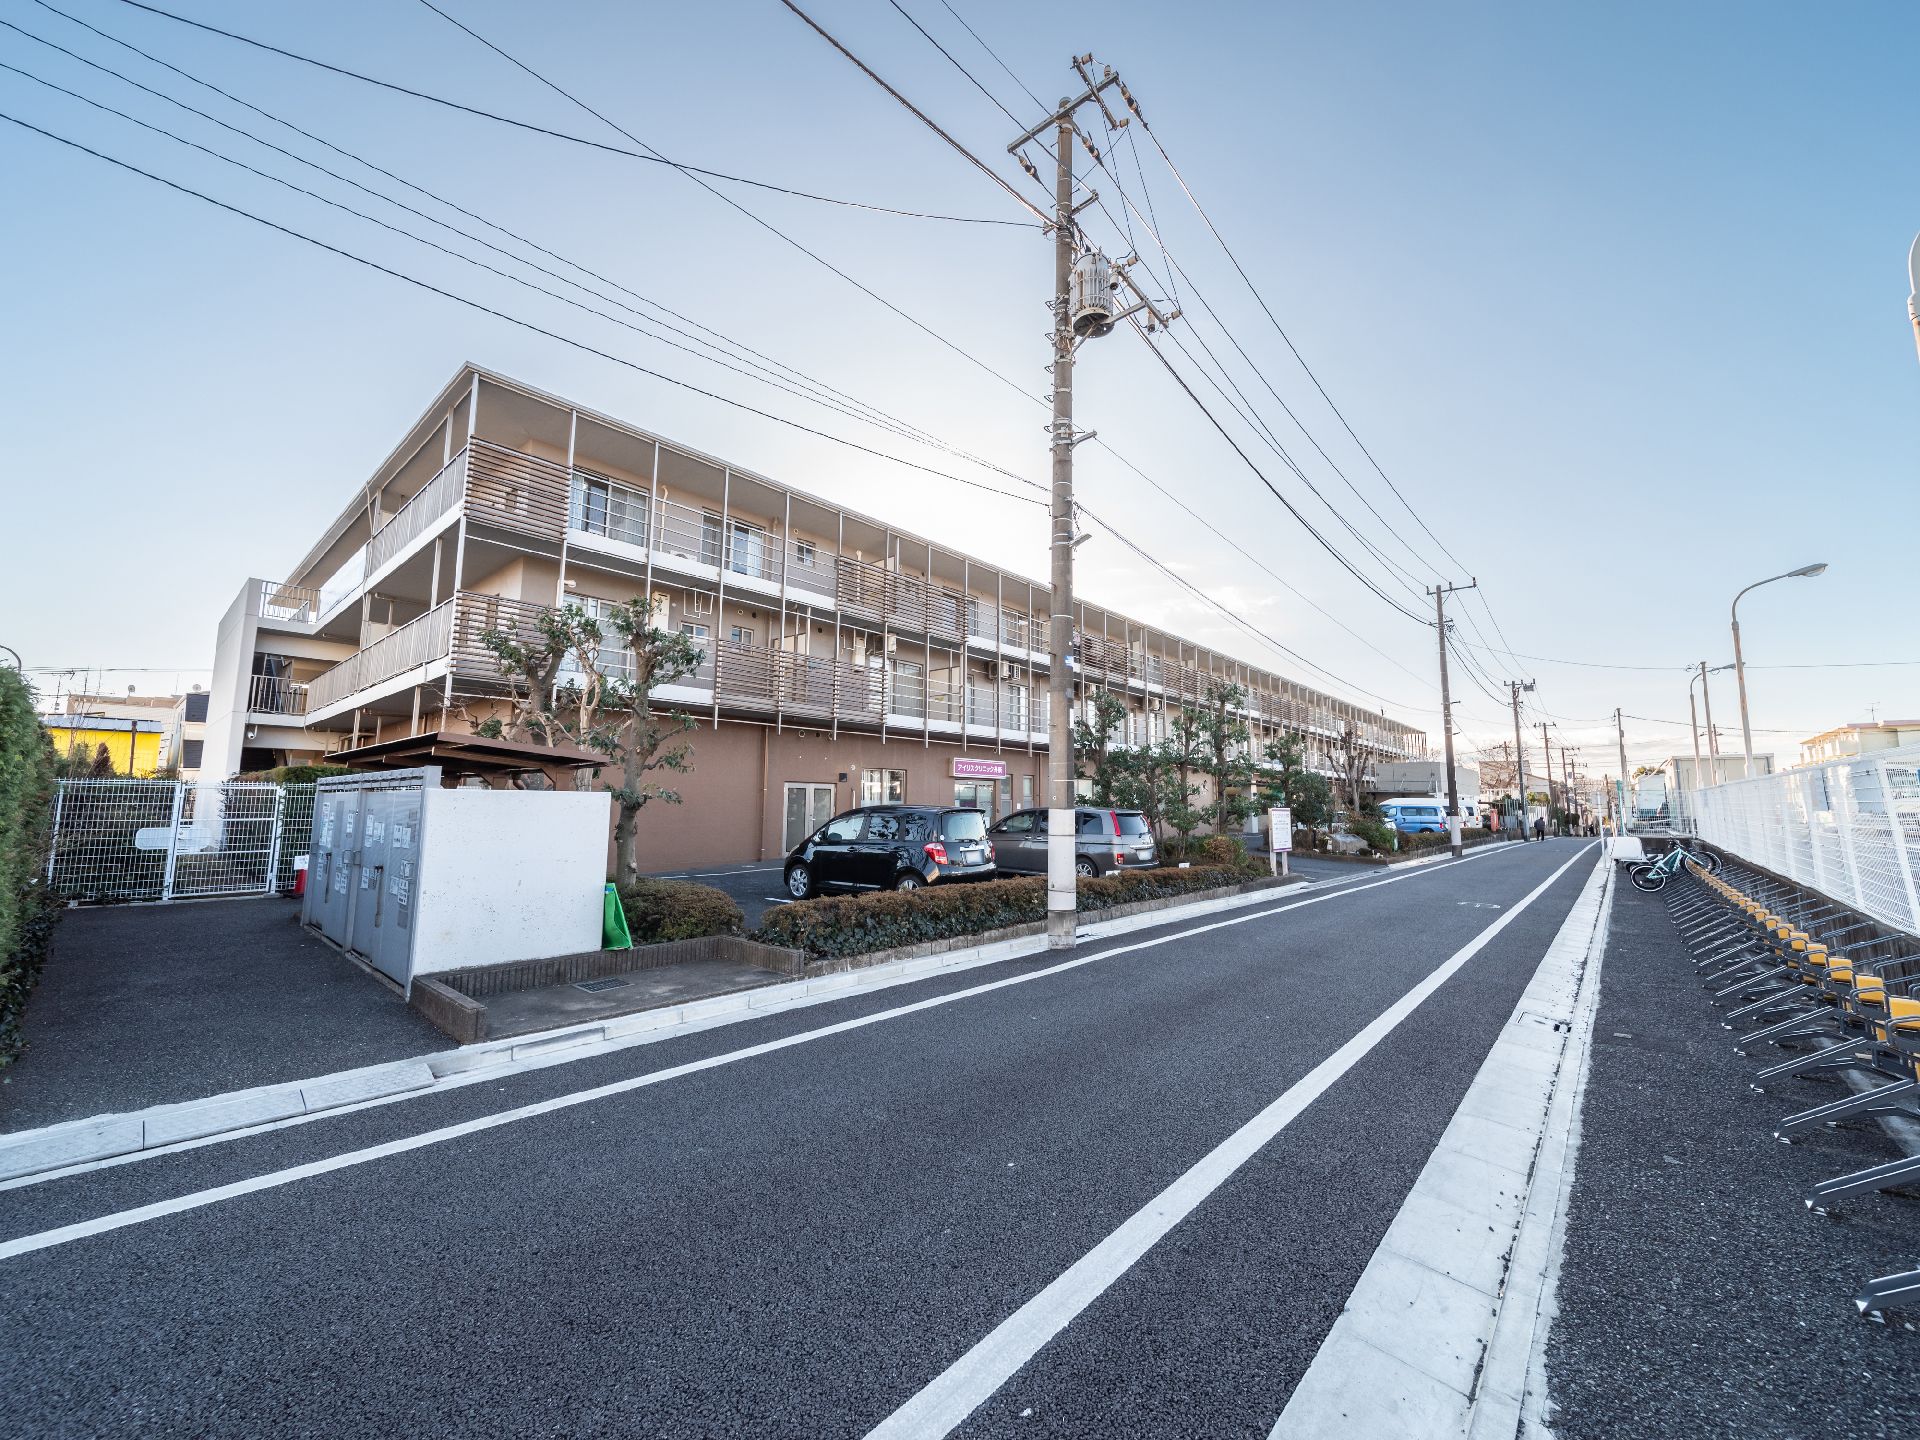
x,y
1849,829
175,839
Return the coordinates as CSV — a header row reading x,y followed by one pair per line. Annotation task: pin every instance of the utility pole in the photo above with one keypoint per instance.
x,y
1546,768
1620,733
1520,756
1083,309
1713,740
1440,593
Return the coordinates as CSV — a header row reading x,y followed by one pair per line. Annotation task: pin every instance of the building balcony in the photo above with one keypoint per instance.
x,y
271,695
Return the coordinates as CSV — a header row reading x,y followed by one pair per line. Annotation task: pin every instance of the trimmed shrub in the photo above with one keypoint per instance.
x,y
27,909
295,774
840,925
660,910
1376,832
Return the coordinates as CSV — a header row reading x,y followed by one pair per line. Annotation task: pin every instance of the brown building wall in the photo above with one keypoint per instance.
x,y
733,803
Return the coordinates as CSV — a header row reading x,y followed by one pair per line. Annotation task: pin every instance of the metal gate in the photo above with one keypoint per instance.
x,y
364,874
176,839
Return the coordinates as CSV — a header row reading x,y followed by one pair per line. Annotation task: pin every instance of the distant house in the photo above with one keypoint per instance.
x,y
1848,742
132,745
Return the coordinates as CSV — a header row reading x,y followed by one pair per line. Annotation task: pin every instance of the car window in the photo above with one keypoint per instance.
x,y
1021,824
881,826
1132,822
963,825
916,829
841,830
1091,822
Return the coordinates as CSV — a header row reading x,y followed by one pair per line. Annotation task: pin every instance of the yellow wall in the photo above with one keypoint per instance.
x,y
146,746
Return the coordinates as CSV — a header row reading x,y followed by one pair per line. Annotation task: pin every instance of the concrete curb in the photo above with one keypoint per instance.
x,y
105,1136
31,1156
1443,1332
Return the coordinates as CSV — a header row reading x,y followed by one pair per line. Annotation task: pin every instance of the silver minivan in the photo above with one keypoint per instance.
x,y
1104,840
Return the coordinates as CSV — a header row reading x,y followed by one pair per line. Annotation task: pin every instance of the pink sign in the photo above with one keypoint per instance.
x,y
965,769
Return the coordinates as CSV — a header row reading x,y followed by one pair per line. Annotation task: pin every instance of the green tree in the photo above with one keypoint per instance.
x,y
1094,758
1224,737
1304,791
637,739
1182,756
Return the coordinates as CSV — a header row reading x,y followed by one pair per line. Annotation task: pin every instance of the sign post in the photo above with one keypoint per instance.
x,y
1279,837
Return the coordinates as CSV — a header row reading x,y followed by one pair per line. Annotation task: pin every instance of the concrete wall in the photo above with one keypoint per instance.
x,y
509,875
227,695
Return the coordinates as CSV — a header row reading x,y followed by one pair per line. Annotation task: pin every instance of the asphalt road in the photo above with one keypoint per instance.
x,y
796,1241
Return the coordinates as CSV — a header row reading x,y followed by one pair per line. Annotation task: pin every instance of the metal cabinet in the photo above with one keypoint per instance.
x,y
364,870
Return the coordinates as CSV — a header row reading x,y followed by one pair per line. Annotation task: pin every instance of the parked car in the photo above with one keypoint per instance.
x,y
891,847
1411,817
1103,840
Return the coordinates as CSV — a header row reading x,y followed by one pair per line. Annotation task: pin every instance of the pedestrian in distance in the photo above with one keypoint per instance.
x,y
1540,828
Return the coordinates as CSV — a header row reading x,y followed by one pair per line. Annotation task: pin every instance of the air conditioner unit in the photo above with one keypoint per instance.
x,y
1006,670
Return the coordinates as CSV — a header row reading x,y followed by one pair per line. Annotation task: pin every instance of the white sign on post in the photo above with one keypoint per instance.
x,y
1279,837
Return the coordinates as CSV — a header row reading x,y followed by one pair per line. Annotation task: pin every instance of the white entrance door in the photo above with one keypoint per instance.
x,y
808,808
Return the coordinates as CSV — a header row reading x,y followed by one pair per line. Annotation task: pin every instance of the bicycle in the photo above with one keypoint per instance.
x,y
1652,875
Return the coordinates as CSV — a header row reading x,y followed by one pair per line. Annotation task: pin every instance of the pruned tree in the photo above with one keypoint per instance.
x,y
563,688
1347,758
1183,755
1303,790
635,738
1094,758
1224,738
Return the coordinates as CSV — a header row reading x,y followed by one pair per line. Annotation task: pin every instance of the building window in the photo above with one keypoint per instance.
x,y
803,552
747,549
190,751
883,787
742,637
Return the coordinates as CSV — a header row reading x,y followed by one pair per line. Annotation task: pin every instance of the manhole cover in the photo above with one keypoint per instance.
x,y
590,986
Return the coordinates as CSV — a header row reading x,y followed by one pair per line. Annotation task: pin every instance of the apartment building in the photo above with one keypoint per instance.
x,y
1849,742
847,660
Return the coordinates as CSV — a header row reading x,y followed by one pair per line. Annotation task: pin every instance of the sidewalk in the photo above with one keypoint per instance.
x,y
1696,1296
148,1004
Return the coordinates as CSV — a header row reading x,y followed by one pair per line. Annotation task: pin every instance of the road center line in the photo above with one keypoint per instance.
x,y
971,1380
199,1199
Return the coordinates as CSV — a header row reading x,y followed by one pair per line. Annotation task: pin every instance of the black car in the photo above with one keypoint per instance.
x,y
1104,840
892,847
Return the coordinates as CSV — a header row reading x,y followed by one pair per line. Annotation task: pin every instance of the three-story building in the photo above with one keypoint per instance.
x,y
846,660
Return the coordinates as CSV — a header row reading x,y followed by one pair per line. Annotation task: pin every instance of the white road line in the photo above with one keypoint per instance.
x,y
100,1225
965,1385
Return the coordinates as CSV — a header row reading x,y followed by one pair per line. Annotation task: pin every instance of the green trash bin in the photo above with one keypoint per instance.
x,y
614,934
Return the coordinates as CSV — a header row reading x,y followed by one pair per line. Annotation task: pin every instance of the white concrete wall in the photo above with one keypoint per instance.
x,y
227,695
509,875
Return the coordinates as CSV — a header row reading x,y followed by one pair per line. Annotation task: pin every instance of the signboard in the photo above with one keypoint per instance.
x,y
1280,822
966,768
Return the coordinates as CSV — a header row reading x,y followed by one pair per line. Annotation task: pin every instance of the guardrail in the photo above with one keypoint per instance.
x,y
270,695
293,604
418,642
1849,829
414,518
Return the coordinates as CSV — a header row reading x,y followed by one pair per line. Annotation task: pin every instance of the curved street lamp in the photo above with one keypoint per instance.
x,y
1700,776
1739,666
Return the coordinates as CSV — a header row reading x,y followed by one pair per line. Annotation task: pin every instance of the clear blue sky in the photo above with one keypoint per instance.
x,y
1616,297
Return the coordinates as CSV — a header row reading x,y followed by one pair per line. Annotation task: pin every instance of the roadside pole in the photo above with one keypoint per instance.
x,y
1546,769
1440,593
1620,733
1520,756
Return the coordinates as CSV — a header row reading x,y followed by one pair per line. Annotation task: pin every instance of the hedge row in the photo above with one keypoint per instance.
x,y
659,910
27,908
840,925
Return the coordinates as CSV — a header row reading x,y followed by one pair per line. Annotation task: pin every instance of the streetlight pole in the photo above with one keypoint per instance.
x,y
1739,665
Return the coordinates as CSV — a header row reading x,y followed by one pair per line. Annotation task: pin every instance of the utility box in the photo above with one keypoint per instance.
x,y
415,879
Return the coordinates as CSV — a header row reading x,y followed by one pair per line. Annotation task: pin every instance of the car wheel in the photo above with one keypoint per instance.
x,y
800,881
909,881
1085,868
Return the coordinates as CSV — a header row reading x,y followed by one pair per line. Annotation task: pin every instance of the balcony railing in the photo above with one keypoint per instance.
x,y
271,695
416,643
813,686
291,604
513,490
413,519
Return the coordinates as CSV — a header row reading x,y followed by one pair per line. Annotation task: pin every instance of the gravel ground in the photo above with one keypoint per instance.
x,y
150,1004
1697,1296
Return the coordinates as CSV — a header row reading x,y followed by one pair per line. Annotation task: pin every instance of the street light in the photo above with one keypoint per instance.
x,y
1739,665
1693,714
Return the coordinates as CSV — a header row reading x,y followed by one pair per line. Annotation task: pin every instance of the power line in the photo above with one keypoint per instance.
x,y
511,319
728,341
572,139
1039,104
1292,509
726,199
